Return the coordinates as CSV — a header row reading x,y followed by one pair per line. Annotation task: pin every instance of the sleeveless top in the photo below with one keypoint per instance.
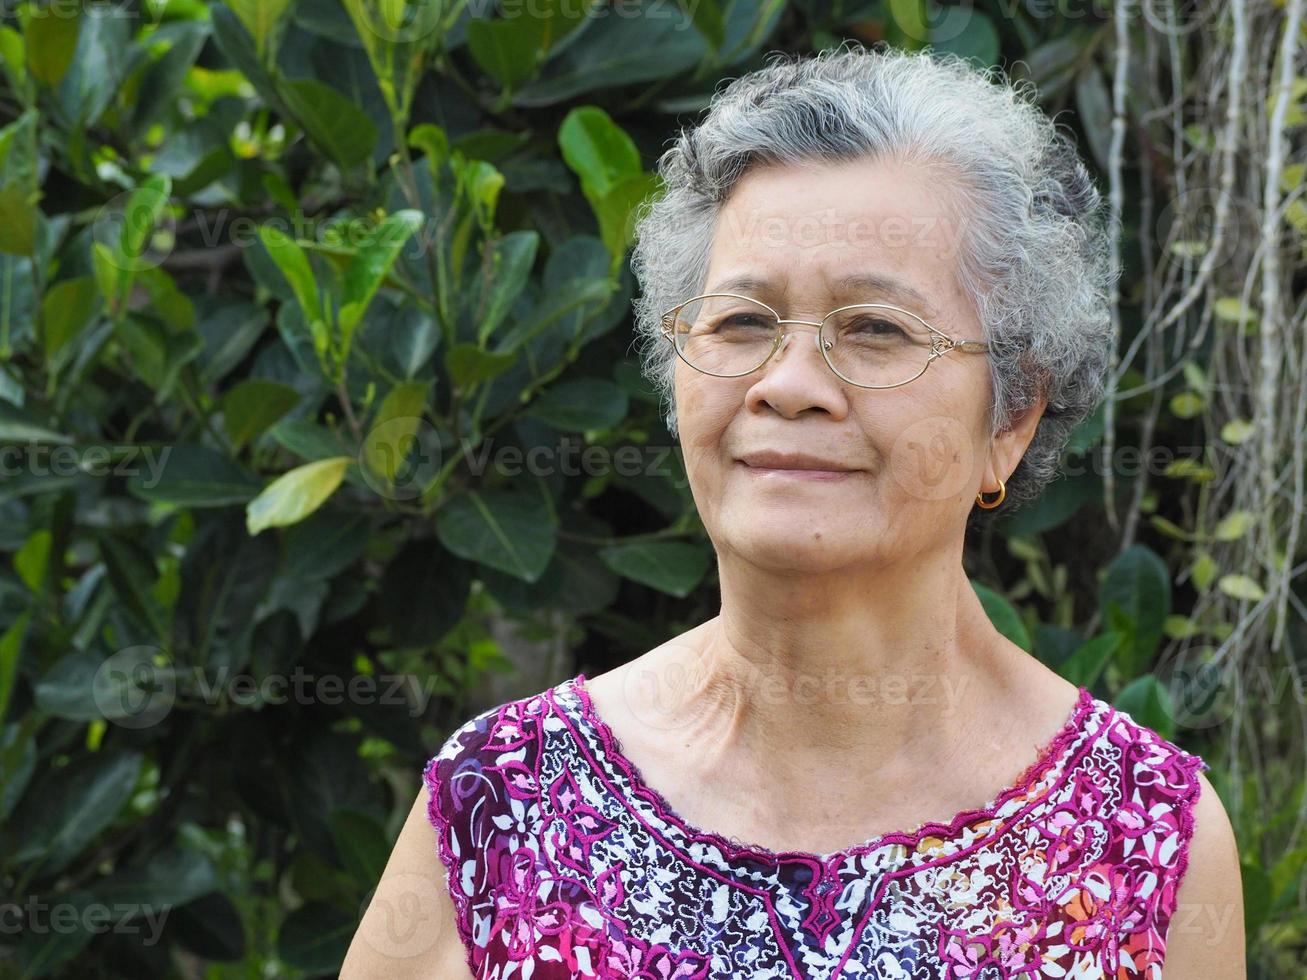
x,y
563,864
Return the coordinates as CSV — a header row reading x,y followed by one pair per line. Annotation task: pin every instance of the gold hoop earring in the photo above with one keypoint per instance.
x,y
990,505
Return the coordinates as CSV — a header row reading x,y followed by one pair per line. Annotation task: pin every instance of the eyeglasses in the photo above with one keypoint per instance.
x,y
870,345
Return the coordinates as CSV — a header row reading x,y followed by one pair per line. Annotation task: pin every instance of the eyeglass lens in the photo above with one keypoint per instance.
x,y
869,345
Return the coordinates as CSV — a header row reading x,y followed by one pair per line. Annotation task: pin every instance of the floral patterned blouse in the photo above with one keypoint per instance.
x,y
563,864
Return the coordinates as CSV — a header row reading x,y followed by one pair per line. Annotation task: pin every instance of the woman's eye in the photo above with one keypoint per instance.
x,y
877,327
743,320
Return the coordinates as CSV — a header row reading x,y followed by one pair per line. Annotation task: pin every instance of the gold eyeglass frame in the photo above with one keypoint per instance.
x,y
941,343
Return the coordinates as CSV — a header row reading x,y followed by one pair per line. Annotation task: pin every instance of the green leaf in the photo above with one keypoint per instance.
x,y
40,954
1095,105
512,531
32,560
482,183
19,153
908,27
13,60
597,149
1241,587
167,302
1169,528
157,353
674,567
162,79
15,426
1138,584
510,259
144,206
211,928
260,18
468,364
190,476
1257,897
390,437
171,877
315,936
108,275
61,815
608,163
616,52
434,144
69,688
617,209
66,308
293,262
1004,616
1232,309
296,494
307,439
411,337
106,53
361,842
132,573
1203,571
1237,431
51,39
374,260
251,407
1146,701
11,645
1186,404
1087,663
555,305
507,50
335,124
581,405
229,331
966,32
708,21
17,761
1235,525
424,593
18,217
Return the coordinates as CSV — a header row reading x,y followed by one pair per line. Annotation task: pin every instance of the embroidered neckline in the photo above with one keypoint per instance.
x,y
610,747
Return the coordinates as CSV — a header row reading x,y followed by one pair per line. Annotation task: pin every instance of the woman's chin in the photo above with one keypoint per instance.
x,y
812,546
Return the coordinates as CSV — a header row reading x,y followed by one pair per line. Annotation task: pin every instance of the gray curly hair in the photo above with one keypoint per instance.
x,y
1035,250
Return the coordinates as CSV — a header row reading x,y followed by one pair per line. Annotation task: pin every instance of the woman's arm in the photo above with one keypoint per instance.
x,y
409,927
1205,939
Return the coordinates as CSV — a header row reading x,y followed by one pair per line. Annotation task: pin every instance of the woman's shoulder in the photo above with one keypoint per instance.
x,y
483,802
492,753
1150,762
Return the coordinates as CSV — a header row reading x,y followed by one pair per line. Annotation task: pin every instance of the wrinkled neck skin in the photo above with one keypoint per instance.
x,y
879,664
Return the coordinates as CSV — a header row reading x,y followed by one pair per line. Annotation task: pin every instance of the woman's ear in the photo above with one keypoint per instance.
x,y
1009,446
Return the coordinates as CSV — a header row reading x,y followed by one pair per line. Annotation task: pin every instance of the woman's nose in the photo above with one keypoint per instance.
x,y
785,339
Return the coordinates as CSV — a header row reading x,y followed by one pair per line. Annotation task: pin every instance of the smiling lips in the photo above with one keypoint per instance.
x,y
795,466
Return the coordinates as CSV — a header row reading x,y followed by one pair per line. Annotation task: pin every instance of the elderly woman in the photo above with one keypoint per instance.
x,y
875,293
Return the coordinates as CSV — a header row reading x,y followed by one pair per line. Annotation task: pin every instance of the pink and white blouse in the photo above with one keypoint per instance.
x,y
563,863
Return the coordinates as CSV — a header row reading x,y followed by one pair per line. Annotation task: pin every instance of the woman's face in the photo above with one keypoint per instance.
x,y
917,453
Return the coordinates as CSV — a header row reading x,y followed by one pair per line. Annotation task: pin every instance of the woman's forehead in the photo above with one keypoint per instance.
x,y
854,213
859,282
